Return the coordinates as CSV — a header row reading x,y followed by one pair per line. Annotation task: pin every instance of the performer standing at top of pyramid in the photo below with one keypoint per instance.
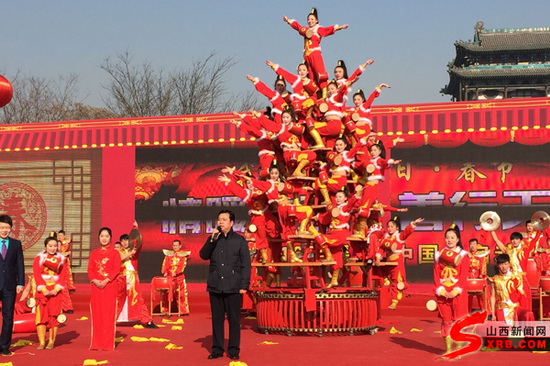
x,y
312,45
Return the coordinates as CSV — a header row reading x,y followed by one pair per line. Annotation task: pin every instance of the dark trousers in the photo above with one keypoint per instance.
x,y
222,304
8,303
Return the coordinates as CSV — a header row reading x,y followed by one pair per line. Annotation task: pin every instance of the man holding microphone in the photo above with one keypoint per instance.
x,y
228,279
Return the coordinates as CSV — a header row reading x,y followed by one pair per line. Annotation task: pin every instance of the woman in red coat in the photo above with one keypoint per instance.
x,y
103,269
450,278
49,271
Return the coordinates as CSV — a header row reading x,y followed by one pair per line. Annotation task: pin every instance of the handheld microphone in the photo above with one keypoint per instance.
x,y
216,235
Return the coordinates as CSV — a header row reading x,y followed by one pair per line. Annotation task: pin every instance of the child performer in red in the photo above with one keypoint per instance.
x,y
103,269
173,267
49,270
391,250
508,295
450,276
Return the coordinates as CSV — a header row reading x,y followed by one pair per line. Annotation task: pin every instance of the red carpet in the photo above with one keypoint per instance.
x,y
409,348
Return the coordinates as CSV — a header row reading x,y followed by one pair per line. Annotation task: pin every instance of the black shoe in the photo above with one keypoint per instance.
x,y
6,352
214,356
69,311
234,357
150,325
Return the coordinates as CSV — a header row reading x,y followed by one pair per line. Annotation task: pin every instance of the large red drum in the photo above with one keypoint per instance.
x,y
476,284
545,283
24,323
532,273
159,282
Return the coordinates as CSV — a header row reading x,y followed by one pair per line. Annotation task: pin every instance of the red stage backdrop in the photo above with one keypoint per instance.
x,y
178,195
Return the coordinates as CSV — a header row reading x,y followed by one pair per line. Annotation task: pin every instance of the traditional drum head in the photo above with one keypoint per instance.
x,y
489,221
335,212
431,305
62,318
338,160
309,33
400,286
252,228
355,116
370,168
323,107
31,302
540,220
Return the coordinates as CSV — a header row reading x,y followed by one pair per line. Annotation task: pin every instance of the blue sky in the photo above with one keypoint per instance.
x,y
410,41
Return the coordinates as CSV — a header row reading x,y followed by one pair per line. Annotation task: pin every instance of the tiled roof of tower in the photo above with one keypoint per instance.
x,y
510,39
486,71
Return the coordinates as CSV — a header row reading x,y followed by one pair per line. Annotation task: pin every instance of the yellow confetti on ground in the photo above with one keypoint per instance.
x,y
161,325
437,331
172,346
416,330
6,364
83,318
119,339
139,339
155,339
237,363
94,362
176,327
138,326
269,343
251,317
22,342
179,321
395,331
539,351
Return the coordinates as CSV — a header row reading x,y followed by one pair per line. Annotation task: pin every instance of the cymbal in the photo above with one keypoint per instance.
x,y
540,220
431,305
489,221
134,239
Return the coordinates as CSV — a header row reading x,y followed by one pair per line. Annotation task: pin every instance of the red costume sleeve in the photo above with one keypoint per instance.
x,y
326,31
403,235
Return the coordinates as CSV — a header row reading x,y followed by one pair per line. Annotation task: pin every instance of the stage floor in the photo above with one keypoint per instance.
x,y
415,340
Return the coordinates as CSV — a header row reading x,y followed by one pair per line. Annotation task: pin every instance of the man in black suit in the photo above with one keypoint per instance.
x,y
12,279
228,279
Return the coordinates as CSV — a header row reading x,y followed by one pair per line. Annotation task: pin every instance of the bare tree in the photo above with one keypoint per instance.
x,y
200,89
136,91
40,100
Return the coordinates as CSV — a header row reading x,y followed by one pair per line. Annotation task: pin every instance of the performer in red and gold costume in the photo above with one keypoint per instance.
x,y
130,303
64,248
173,266
254,196
49,269
450,276
508,294
103,269
391,250
338,218
313,34
479,259
519,257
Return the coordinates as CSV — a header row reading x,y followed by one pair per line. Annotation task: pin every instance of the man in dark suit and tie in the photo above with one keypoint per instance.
x,y
12,279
